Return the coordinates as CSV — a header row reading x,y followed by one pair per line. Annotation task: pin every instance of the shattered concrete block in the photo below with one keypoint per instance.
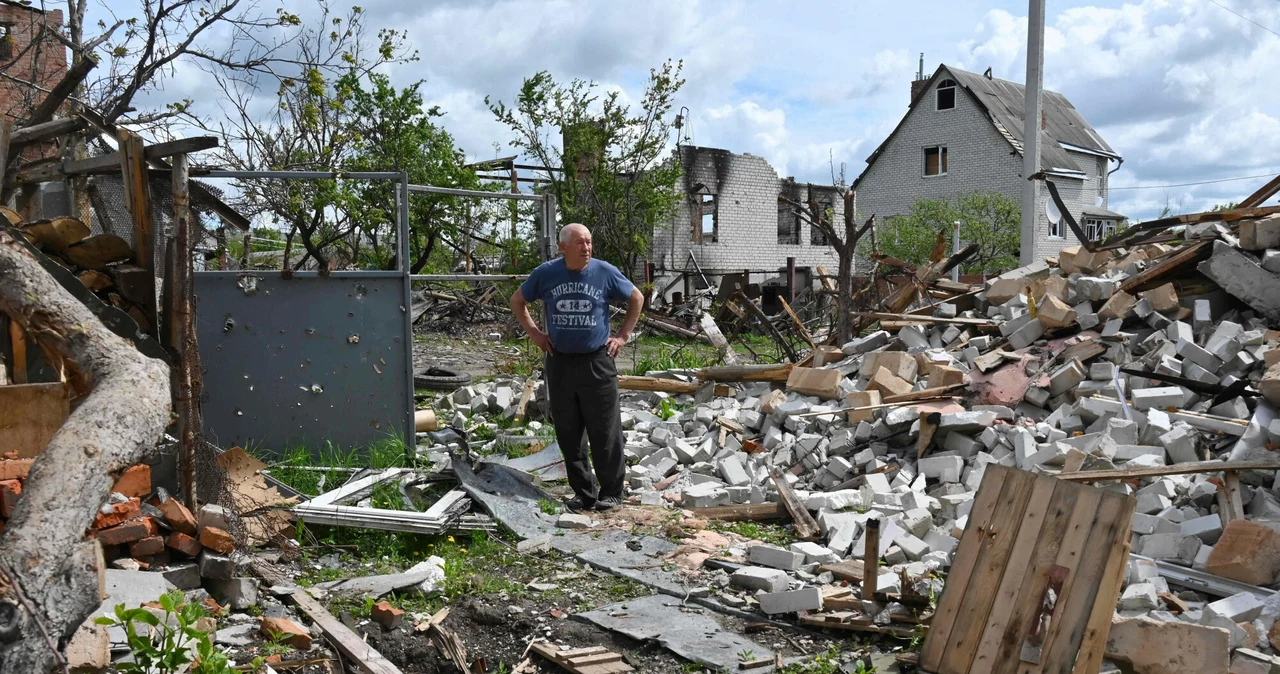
x,y
215,566
756,578
862,399
1207,528
814,553
1054,313
239,593
1178,547
706,495
899,363
1155,646
1159,398
1249,661
1240,275
1002,290
733,472
942,375
211,515
817,382
871,342
1248,552
576,520
1270,385
1241,607
1117,306
1026,335
965,422
775,557
1260,233
1066,377
1163,299
1139,597
1271,261
1180,443
912,547
886,383
941,468
804,599
963,445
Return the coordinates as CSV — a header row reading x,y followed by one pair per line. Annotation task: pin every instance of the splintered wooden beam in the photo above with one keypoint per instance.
x,y
137,189
347,642
795,320
767,372
632,383
717,338
806,526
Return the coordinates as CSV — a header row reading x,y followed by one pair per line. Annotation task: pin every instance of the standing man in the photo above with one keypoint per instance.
x,y
582,379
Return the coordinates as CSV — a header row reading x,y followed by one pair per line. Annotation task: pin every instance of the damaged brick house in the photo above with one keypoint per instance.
x,y
735,217
963,133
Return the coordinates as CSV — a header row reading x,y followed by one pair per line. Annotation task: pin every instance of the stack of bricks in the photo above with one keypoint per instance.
x,y
13,471
152,528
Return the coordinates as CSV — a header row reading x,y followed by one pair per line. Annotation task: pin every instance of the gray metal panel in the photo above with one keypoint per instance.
x,y
289,336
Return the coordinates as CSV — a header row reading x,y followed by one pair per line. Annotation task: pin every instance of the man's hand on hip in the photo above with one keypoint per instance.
x,y
542,339
615,345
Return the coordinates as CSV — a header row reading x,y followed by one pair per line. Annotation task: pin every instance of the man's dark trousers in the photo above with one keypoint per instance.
x,y
583,391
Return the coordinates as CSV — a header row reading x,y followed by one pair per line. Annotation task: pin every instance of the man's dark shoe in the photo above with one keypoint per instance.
x,y
608,503
578,504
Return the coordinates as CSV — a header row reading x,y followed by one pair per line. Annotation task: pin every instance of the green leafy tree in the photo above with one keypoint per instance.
x,y
392,131
614,178
989,219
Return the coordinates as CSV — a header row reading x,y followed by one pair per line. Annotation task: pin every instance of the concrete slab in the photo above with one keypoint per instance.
x,y
693,636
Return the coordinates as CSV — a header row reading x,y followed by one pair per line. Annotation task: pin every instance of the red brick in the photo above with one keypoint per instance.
x,y
178,516
146,547
135,482
124,533
120,512
15,469
184,544
387,615
294,634
213,607
10,490
217,540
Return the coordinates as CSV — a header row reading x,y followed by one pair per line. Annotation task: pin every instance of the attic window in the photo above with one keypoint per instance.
x,y
935,160
946,94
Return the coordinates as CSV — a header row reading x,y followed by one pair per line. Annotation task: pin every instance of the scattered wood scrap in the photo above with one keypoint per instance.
x,y
347,642
632,383
806,526
591,660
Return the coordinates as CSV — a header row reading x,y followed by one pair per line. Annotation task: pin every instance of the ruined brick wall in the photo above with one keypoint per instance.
x,y
30,54
979,158
746,190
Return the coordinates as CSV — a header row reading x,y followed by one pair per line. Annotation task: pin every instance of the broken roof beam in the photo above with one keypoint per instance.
x,y
110,163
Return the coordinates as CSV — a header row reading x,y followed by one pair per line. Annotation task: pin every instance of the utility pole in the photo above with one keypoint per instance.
x,y
1032,110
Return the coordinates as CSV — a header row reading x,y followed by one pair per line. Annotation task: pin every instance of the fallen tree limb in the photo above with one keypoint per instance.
x,y
767,372
630,383
43,547
663,326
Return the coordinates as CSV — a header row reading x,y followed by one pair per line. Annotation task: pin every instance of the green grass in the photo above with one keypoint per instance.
x,y
772,534
823,663
290,467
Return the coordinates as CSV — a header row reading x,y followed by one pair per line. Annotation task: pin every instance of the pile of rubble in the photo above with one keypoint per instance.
x,y
1152,358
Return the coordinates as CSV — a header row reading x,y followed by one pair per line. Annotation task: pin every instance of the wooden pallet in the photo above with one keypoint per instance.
x,y
1029,534
592,660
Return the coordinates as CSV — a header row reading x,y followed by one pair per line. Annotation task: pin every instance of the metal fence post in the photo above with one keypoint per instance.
x,y
406,267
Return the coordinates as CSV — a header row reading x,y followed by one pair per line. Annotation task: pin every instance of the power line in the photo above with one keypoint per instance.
x,y
1201,182
1245,18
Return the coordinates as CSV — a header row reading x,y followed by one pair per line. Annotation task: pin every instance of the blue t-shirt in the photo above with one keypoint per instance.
x,y
576,302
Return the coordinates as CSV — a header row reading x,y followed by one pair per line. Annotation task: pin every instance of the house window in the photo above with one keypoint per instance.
x,y
935,160
946,94
708,219
788,225
1097,229
827,213
1055,229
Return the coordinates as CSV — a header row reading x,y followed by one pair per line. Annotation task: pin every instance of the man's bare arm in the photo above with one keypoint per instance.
x,y
520,309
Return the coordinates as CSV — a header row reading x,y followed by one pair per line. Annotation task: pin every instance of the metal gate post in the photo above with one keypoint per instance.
x,y
402,234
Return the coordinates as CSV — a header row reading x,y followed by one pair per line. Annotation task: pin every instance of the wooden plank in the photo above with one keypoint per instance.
x,y
717,338
1265,192
530,385
1171,264
1068,522
1042,503
962,565
632,383
137,188
871,559
111,162
32,413
993,558
1231,490
857,626
1176,469
766,372
847,570
350,644
18,347
924,394
1094,645
1075,605
795,320
911,318
750,512
806,527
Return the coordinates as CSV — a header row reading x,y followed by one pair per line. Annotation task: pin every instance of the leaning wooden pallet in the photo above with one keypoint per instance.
x,y
1034,580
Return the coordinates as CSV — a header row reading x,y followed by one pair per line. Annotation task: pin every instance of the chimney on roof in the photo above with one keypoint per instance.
x,y
918,84
987,73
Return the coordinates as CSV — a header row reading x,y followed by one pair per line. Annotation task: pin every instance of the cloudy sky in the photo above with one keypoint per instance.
x,y
1183,89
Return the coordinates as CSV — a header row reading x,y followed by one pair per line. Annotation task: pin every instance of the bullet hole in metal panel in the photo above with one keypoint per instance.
x,y
229,324
248,283
361,290
353,338
311,331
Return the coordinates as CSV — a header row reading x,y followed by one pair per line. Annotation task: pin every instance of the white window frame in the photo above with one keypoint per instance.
x,y
942,166
1055,230
1097,229
945,84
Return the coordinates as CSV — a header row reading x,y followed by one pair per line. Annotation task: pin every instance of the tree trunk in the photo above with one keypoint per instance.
x,y
49,572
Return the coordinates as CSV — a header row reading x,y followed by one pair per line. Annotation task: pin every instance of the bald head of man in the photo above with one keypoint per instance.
x,y
575,245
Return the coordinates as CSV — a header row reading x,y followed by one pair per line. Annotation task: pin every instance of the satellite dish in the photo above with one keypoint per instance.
x,y
1097,201
1052,212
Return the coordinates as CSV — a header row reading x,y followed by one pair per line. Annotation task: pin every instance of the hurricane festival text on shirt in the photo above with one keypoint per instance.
x,y
575,313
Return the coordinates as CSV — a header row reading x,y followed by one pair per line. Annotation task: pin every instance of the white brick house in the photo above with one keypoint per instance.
x,y
735,217
963,133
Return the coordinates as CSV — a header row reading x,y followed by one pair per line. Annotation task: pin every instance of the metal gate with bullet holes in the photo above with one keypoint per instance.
x,y
313,360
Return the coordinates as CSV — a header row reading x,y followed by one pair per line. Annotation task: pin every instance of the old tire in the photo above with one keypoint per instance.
x,y
440,379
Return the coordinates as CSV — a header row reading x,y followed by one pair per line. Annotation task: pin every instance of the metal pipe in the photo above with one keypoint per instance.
x,y
428,189
469,278
403,232
353,274
298,175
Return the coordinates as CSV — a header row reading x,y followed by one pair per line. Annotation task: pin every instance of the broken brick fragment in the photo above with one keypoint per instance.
x,y
290,632
217,540
134,482
213,607
10,490
178,516
184,544
117,513
387,615
124,533
145,547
